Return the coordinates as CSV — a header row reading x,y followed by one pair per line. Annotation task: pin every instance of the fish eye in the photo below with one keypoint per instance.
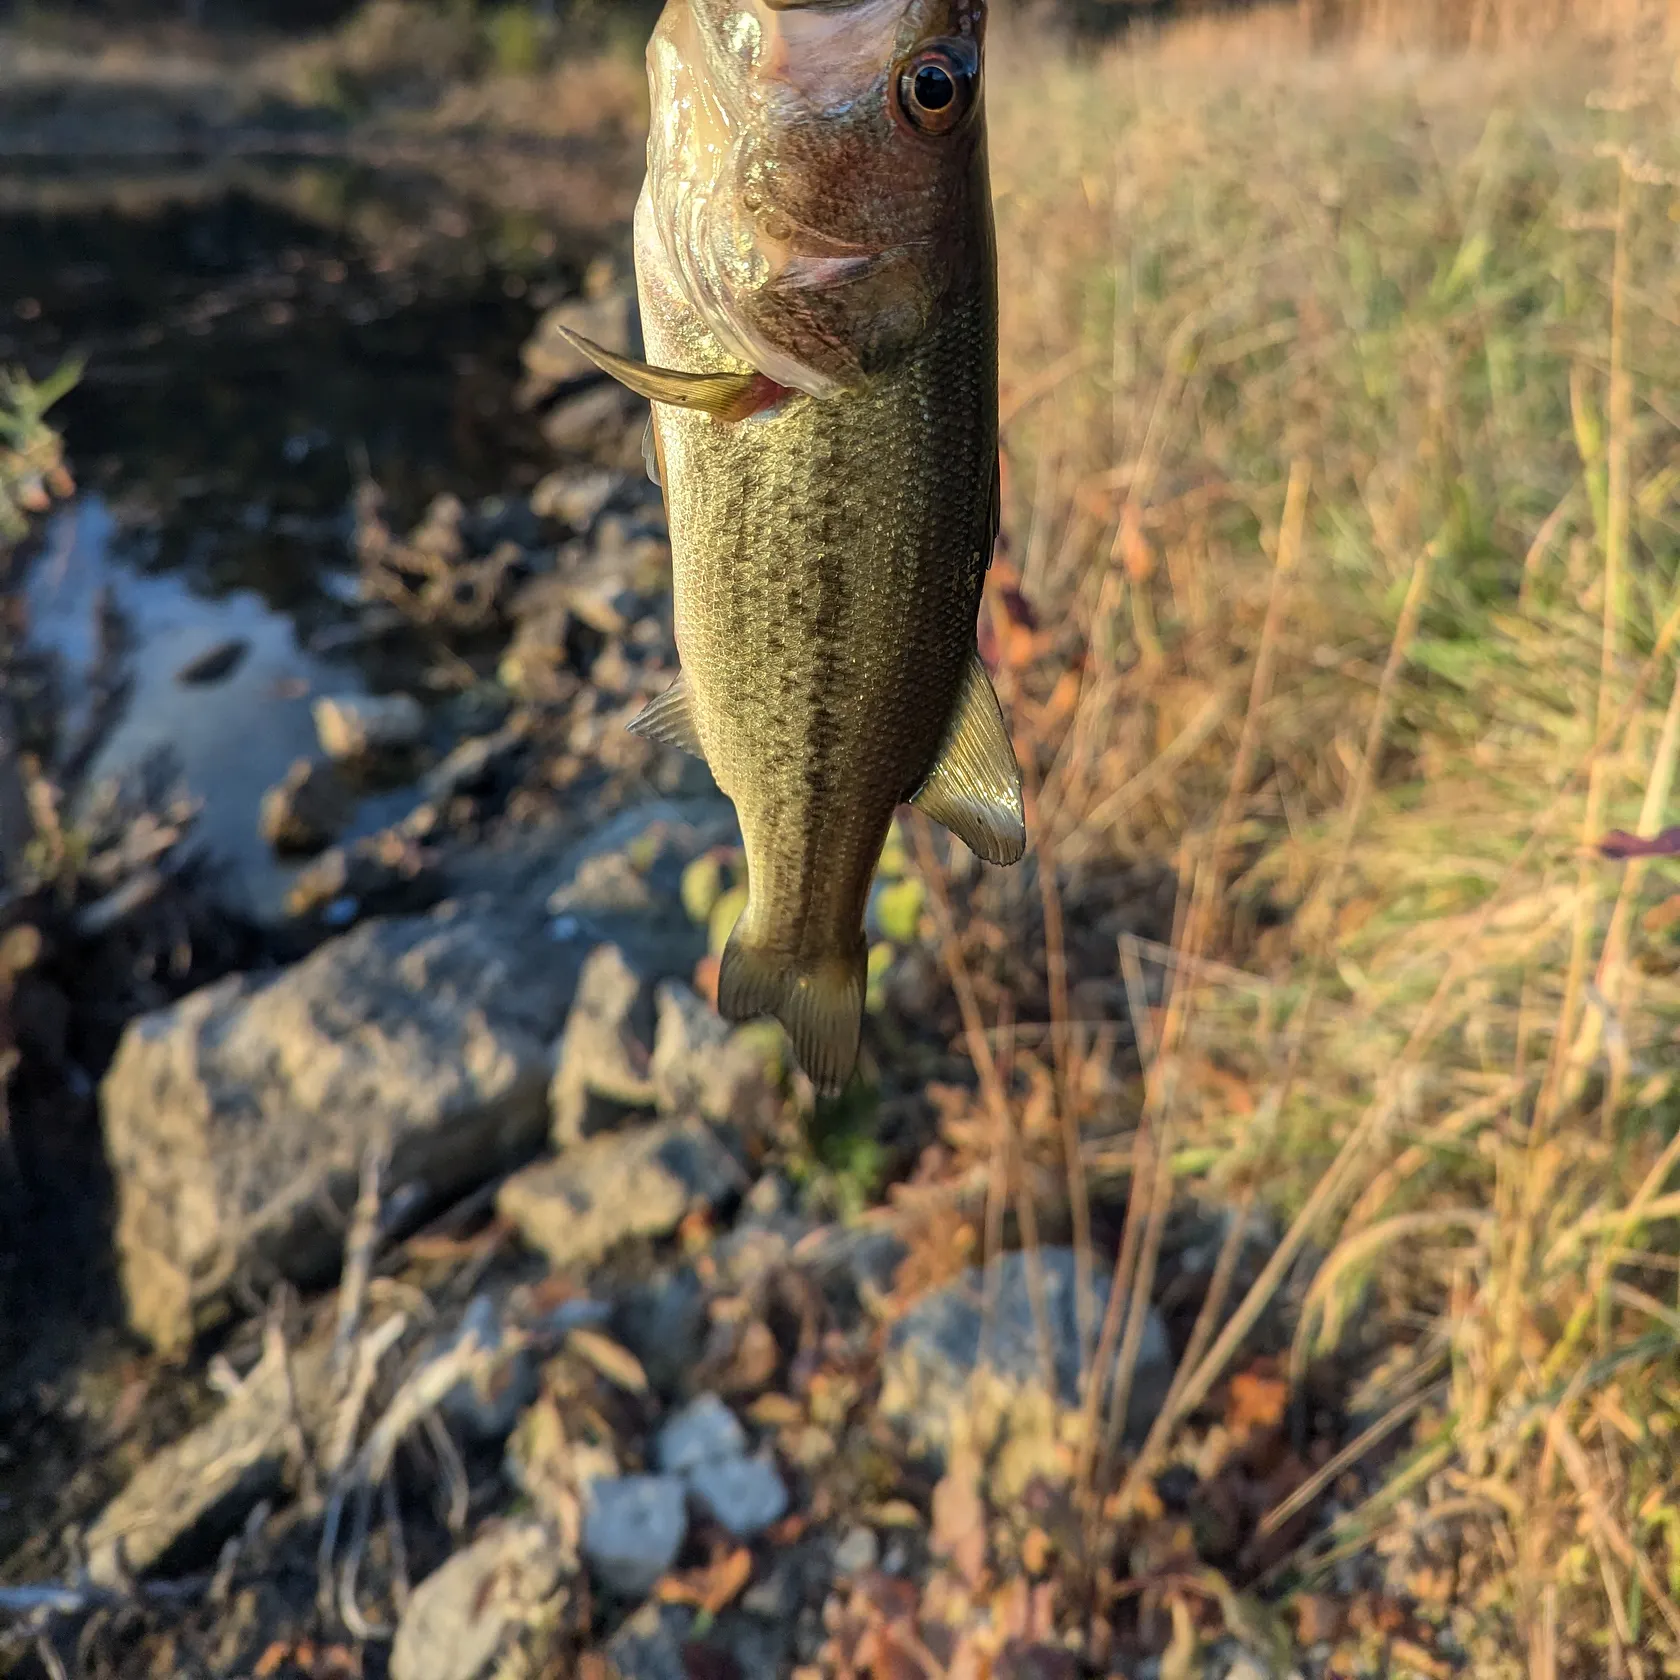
x,y
935,88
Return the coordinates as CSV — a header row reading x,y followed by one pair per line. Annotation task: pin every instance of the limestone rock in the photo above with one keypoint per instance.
x,y
641,1182
236,1120
465,1617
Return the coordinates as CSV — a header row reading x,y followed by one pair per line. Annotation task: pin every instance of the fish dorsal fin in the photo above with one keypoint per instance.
x,y
724,396
669,720
974,788
650,454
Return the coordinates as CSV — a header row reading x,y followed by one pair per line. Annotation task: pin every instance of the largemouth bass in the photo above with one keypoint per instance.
x,y
817,277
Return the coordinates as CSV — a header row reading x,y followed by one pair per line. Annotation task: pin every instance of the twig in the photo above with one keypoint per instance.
x,y
359,1250
1062,1061
370,1353
1351,1454
54,1599
997,1099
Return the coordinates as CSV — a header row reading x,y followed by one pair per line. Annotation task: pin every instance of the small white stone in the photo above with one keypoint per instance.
x,y
705,1431
633,1528
858,1552
746,1495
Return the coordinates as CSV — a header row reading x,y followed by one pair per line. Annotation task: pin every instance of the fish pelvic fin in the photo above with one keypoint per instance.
x,y
724,396
818,1001
974,788
669,720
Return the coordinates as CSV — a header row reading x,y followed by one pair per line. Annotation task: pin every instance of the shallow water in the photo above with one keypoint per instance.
x,y
229,739
253,343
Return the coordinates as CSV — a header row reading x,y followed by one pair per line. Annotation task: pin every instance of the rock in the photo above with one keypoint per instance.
x,y
476,765
638,1183
704,1431
464,1619
619,883
633,1528
576,499
855,1264
858,1552
601,1066
307,809
236,1120
188,1498
649,1646
701,1065
603,422
383,875
611,319
935,1348
215,663
663,1321
745,1495
363,726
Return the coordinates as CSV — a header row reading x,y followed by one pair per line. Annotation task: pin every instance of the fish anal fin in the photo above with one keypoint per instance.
x,y
669,720
819,1002
974,788
724,396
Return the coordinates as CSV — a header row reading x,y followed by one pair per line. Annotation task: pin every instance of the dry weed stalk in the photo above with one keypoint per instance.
x,y
1457,1031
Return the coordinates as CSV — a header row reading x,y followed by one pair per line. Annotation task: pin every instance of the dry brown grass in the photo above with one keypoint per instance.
x,y
1341,397
1487,25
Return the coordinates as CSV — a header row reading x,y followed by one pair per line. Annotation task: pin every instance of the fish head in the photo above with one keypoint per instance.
x,y
817,175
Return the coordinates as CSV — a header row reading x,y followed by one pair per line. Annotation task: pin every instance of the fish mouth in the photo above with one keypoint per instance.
x,y
779,212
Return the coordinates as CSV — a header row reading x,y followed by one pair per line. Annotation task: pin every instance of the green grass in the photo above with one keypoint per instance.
x,y
1441,297
32,470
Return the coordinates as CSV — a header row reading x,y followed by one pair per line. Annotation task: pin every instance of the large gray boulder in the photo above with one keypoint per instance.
x,y
236,1121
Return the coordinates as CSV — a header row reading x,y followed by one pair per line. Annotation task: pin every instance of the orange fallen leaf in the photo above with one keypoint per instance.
x,y
713,1588
1408,1651
1317,1618
1257,1401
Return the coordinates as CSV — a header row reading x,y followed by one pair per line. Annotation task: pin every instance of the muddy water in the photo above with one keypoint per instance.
x,y
253,343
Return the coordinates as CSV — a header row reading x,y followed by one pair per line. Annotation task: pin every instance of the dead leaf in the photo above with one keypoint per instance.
x,y
1258,1400
1317,1618
713,1588
617,1364
1137,553
1037,1549
1408,1651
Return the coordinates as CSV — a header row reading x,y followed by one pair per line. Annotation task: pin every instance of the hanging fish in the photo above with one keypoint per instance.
x,y
818,281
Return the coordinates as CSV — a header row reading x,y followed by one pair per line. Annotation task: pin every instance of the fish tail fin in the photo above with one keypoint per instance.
x,y
819,1002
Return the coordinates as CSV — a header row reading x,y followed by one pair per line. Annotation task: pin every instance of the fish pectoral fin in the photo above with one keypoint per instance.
x,y
819,1002
650,454
724,396
974,788
669,720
